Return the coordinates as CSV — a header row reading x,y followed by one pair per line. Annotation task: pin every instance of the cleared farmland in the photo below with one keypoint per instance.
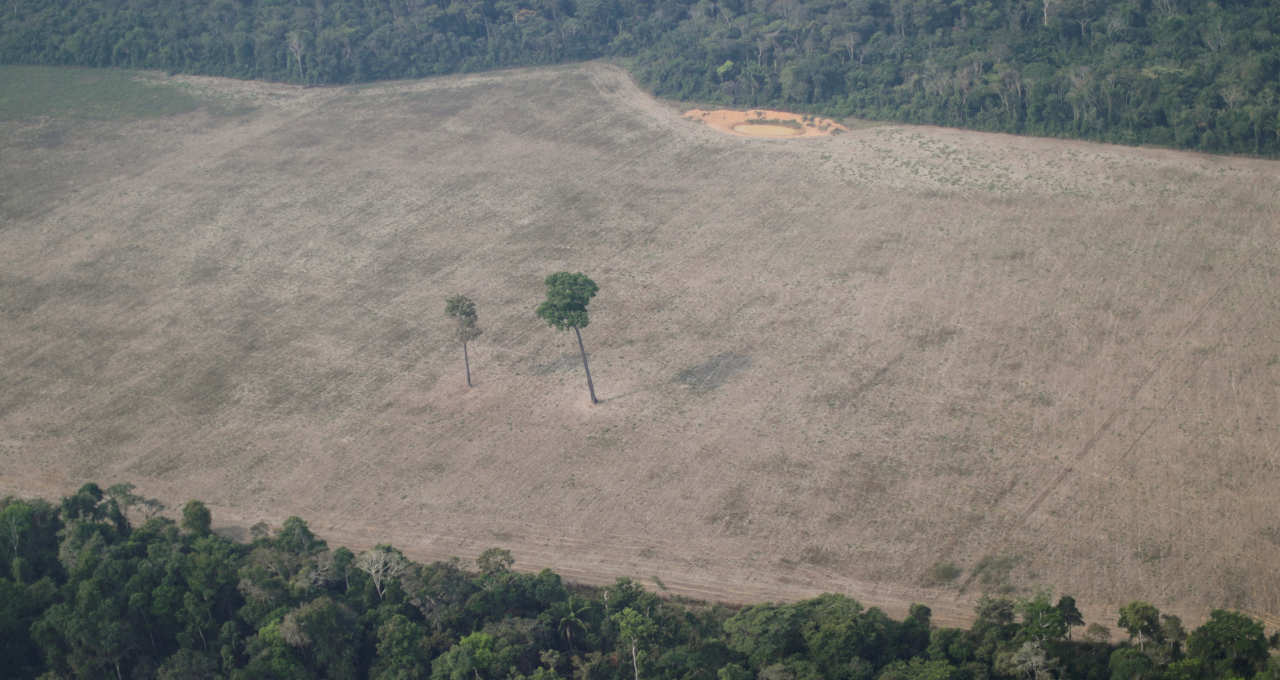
x,y
825,364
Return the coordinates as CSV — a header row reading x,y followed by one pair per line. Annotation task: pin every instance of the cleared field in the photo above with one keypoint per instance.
x,y
825,364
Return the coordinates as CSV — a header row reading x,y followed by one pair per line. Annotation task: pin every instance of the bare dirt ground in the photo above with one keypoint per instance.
x,y
826,365
766,123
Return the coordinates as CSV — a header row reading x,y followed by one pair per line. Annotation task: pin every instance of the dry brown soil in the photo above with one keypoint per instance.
x,y
829,364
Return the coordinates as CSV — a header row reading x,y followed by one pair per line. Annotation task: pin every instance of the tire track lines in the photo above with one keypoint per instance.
x,y
1021,519
1092,443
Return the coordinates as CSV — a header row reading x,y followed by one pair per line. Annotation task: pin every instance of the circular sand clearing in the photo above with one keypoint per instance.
x,y
766,123
767,130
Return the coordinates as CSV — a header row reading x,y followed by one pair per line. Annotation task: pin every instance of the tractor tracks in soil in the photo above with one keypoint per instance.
x,y
1162,364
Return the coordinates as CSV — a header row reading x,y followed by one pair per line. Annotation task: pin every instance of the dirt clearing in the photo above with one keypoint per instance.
x,y
905,363
766,123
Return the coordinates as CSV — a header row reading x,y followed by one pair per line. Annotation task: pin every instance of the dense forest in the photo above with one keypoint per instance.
x,y
85,593
1182,73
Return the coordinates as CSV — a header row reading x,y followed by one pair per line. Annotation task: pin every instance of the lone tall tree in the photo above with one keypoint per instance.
x,y
566,307
463,311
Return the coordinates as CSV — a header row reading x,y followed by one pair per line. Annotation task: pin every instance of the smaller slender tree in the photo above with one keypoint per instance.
x,y
383,564
635,629
462,310
1141,620
566,307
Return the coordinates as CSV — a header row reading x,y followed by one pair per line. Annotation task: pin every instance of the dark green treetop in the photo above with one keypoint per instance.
x,y
1230,645
566,308
567,298
463,311
196,518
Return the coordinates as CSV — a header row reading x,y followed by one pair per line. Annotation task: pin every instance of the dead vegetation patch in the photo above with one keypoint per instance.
x,y
714,372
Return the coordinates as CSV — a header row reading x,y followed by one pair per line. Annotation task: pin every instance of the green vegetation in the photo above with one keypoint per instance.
x,y
86,594
87,94
942,573
993,571
462,310
1168,72
566,308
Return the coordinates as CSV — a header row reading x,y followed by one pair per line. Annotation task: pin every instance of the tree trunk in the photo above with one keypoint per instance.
x,y
590,388
634,665
466,361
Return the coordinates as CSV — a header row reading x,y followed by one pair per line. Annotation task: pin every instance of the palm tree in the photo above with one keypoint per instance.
x,y
571,617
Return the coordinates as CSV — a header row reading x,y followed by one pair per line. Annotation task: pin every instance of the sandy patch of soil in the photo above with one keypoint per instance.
x,y
766,123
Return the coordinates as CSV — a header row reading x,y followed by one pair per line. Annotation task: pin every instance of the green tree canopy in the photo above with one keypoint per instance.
x,y
567,298
566,308
1041,621
1141,620
196,518
462,310
1199,75
1230,643
157,601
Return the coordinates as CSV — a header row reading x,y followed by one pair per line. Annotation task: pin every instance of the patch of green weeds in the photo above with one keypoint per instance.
x,y
819,556
1150,553
993,571
87,94
942,573
733,512
713,372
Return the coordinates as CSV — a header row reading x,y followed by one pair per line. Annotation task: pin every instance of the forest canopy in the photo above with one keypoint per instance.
x,y
103,585
1181,73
